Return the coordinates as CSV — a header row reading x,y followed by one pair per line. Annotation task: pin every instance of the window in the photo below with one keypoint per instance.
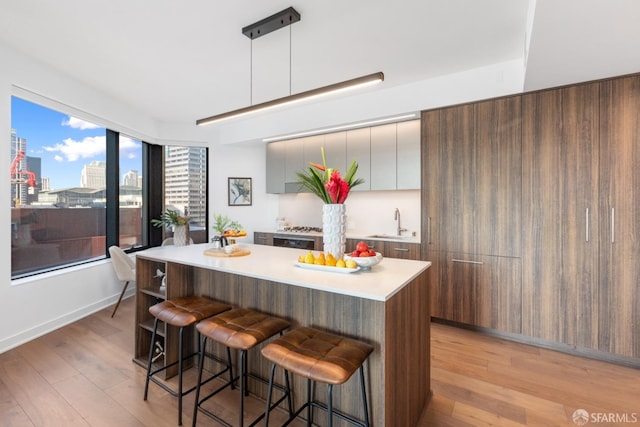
x,y
185,180
77,188
130,193
57,188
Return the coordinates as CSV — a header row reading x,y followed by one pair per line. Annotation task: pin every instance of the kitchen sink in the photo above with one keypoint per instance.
x,y
389,236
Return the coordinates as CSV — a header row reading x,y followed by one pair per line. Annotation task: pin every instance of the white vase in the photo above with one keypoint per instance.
x,y
334,228
181,236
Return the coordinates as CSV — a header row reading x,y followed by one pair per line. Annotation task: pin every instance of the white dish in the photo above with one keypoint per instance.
x,y
365,262
343,270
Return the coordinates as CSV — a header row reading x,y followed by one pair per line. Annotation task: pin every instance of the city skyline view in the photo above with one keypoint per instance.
x,y
66,143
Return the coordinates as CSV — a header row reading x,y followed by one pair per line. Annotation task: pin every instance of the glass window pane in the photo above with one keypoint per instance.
x,y
186,186
58,175
130,192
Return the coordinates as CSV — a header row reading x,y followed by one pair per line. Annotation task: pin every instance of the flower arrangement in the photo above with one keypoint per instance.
x,y
328,183
170,218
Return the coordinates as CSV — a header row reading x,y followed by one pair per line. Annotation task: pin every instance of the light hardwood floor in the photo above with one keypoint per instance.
x,y
82,375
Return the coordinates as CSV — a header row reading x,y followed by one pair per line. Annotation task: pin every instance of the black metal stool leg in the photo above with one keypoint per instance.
x,y
180,376
364,397
203,346
153,339
243,385
309,413
266,414
329,405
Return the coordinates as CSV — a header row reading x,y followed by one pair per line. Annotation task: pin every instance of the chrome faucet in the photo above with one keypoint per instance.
x,y
397,218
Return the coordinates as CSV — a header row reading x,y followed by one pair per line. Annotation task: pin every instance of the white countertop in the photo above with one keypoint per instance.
x,y
279,265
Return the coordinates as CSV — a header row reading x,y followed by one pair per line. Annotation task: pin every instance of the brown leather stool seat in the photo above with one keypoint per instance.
x,y
322,357
181,313
242,330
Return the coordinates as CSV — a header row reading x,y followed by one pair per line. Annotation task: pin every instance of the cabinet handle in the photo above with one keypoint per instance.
x,y
613,225
401,249
587,225
464,261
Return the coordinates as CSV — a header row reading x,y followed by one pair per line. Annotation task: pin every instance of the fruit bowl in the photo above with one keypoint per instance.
x,y
365,262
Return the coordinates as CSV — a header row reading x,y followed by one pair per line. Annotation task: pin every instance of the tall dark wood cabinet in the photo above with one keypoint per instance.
x,y
531,215
471,224
619,231
560,214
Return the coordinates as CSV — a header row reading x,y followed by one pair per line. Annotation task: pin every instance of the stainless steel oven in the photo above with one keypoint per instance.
x,y
297,242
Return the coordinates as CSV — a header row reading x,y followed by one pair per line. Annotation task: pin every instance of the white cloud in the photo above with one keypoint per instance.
x,y
58,158
73,150
75,123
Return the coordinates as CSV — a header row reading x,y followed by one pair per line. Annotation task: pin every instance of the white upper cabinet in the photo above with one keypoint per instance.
x,y
388,157
359,149
383,157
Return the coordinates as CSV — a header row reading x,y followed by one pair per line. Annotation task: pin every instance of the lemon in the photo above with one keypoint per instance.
x,y
309,258
340,263
350,263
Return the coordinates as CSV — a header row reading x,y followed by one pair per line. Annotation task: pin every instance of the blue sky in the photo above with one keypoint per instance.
x,y
65,143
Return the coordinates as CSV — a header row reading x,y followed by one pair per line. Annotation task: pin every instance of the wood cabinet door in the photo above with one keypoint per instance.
x,y
498,186
620,217
559,203
401,250
448,179
498,293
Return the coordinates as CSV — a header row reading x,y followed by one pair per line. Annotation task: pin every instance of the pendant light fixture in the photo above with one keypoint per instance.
x,y
280,20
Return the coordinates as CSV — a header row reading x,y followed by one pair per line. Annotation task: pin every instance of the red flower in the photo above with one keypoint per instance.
x,y
337,187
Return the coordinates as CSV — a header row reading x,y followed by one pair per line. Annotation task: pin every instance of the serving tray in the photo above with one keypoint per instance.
x,y
342,270
221,253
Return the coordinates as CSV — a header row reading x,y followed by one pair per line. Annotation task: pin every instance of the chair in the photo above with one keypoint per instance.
x,y
169,241
125,270
181,312
242,330
320,357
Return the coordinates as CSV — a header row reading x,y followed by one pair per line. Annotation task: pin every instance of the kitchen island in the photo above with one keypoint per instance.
x,y
387,306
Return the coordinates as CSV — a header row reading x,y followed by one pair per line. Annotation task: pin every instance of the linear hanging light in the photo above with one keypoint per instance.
x,y
274,22
302,96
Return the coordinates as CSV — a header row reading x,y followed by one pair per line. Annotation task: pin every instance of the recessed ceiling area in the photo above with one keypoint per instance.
x,y
181,61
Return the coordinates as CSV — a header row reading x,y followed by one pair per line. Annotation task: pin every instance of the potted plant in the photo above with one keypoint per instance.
x,y
180,224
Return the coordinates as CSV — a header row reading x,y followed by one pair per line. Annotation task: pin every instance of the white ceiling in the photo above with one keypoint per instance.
x,y
179,61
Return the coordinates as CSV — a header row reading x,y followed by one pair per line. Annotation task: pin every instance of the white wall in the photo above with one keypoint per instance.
x,y
368,212
34,306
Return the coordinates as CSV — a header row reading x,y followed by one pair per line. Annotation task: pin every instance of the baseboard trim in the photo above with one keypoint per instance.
x,y
588,353
27,335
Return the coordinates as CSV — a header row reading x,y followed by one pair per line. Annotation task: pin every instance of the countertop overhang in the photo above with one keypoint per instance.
x,y
279,265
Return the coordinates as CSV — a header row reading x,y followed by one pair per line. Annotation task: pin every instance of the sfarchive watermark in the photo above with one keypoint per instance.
x,y
582,417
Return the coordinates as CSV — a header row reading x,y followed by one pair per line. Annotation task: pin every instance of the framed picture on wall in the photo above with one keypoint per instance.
x,y
239,191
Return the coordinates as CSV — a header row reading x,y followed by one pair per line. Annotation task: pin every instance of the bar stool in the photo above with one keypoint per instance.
x,y
319,357
242,330
180,312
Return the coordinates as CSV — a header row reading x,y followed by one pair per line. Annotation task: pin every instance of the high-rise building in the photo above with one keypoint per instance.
x,y
185,182
94,175
130,178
